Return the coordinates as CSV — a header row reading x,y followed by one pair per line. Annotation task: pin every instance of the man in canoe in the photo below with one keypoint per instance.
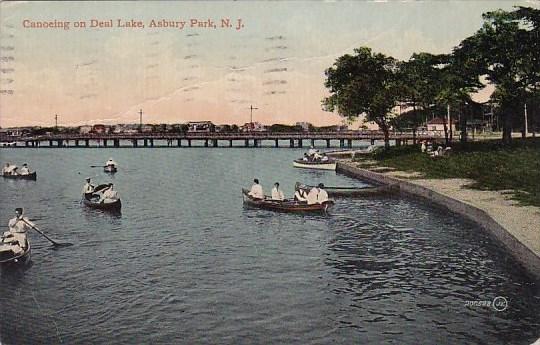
x,y
110,163
322,196
88,189
9,169
24,170
109,195
256,190
277,194
300,195
15,238
312,196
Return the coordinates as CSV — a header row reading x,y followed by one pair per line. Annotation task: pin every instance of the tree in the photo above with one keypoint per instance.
x,y
364,83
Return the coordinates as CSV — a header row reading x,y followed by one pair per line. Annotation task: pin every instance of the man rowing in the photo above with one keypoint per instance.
x,y
256,190
277,194
109,195
9,169
24,170
317,195
300,195
322,196
88,189
110,163
15,238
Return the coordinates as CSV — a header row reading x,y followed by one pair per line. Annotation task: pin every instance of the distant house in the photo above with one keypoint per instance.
x,y
200,127
305,125
437,124
253,127
99,129
85,129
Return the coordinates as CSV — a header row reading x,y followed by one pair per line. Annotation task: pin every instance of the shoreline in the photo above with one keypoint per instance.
x,y
512,225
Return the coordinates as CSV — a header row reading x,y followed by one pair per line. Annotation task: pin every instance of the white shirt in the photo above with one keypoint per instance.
x,y
277,194
24,171
299,196
324,159
110,195
87,188
17,225
312,196
256,191
110,162
9,169
322,196
311,152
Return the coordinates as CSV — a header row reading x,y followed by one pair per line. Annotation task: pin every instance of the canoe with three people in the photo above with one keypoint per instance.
x,y
11,171
316,200
313,159
103,196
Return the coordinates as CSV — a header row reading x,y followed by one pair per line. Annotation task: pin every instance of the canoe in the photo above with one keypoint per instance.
x,y
108,206
285,205
328,165
353,191
31,176
7,259
110,169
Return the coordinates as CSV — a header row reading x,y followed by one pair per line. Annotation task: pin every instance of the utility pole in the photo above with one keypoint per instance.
x,y
525,114
56,121
140,120
251,108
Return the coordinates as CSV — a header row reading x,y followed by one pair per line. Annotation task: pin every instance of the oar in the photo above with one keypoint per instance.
x,y
47,237
98,166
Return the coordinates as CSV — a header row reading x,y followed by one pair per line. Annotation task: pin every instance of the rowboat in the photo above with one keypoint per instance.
x,y
289,205
326,165
110,169
7,258
352,191
107,206
30,176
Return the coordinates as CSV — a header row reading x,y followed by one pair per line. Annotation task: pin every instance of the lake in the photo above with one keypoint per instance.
x,y
185,262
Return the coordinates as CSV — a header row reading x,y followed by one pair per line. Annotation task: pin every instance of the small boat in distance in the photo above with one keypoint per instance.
x,y
30,176
110,169
291,206
8,258
320,165
352,191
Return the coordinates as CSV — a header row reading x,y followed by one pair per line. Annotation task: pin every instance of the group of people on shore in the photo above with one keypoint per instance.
x,y
429,148
314,155
12,169
106,195
316,195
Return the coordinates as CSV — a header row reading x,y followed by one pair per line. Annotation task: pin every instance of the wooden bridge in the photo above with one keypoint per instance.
x,y
210,139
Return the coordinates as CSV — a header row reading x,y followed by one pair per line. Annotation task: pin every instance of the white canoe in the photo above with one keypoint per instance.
x,y
330,165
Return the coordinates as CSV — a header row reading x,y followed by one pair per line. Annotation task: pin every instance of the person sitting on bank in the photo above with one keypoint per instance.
x,y
312,196
88,189
24,170
277,194
322,196
256,190
300,195
109,195
15,238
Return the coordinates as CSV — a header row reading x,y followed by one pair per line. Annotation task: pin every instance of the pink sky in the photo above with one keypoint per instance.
x,y
276,62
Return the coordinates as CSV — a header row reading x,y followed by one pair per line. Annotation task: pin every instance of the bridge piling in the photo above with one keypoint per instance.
x,y
291,144
215,143
300,143
327,143
277,142
246,143
179,142
349,143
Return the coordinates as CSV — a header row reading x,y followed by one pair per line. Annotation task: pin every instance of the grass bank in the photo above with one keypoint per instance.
x,y
491,165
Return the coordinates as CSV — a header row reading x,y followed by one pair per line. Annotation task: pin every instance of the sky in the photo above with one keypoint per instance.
x,y
272,55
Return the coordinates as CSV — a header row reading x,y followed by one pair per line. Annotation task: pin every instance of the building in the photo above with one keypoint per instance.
x,y
305,125
201,127
437,125
85,129
99,129
253,127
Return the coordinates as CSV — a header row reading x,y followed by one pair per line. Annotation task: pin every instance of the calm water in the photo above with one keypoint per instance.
x,y
186,263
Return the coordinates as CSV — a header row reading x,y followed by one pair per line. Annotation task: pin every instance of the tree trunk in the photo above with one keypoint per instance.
x,y
445,132
414,135
386,138
507,129
463,126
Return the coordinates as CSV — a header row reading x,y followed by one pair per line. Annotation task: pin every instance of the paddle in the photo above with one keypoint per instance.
x,y
47,237
98,166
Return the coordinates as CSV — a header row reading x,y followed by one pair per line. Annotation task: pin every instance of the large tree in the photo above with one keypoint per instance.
x,y
363,83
